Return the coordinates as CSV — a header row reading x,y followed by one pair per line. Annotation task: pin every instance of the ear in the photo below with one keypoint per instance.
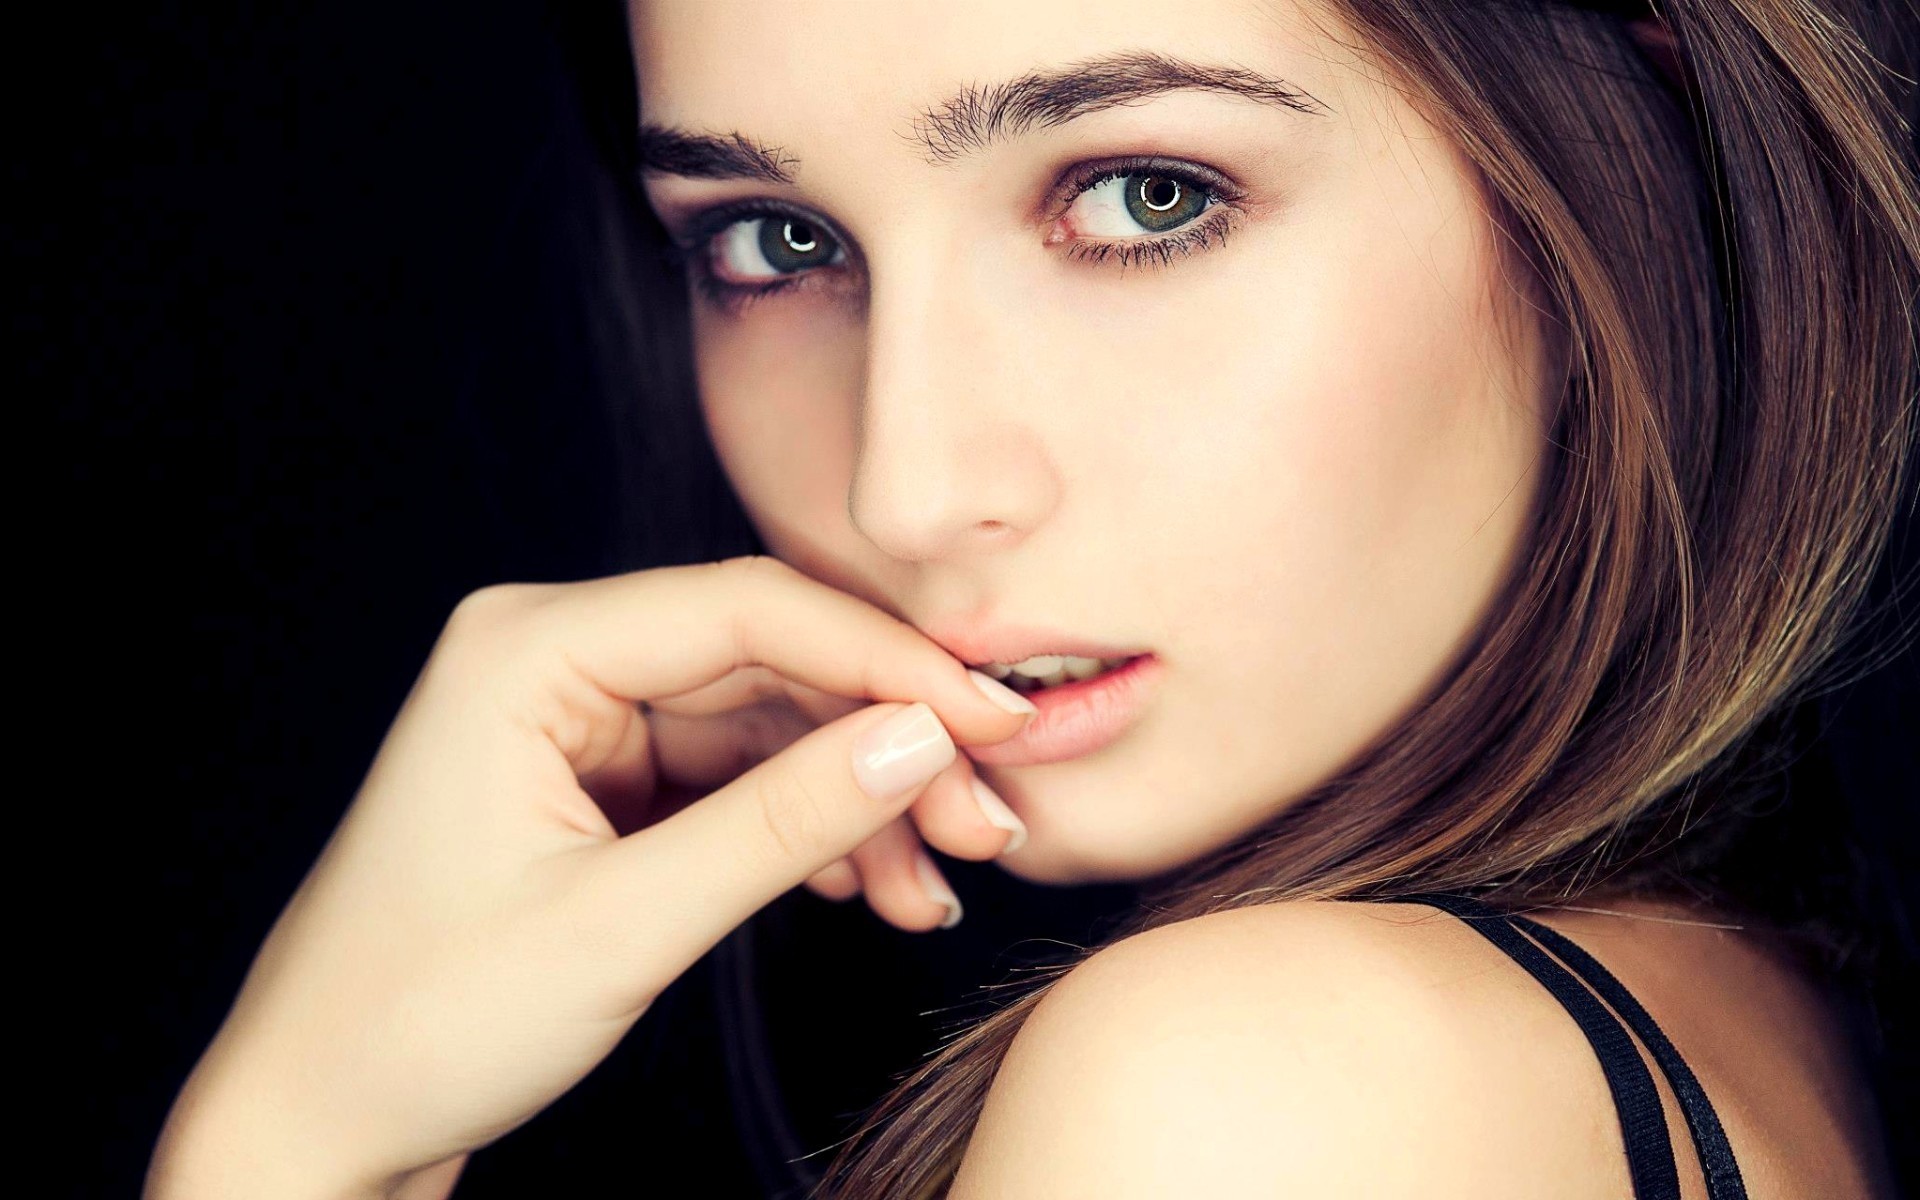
x,y
1656,41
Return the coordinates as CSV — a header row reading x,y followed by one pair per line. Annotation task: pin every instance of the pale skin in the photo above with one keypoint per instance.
x,y
1296,464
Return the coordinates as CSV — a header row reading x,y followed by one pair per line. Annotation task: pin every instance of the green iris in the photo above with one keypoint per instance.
x,y
1160,202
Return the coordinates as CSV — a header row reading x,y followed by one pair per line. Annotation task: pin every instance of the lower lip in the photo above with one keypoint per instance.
x,y
1076,718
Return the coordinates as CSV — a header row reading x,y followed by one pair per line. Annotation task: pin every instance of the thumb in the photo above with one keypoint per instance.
x,y
687,881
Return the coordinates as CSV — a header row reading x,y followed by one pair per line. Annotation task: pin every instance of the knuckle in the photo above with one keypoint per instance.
x,y
495,628
759,564
746,578
489,611
757,570
793,813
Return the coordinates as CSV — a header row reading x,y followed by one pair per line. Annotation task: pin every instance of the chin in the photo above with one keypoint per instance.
x,y
1038,862
1033,864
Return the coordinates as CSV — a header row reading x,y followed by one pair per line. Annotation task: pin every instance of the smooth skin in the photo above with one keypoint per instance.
x,y
1326,1048
1295,464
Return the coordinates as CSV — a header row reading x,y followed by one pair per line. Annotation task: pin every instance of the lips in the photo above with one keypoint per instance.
x,y
1074,718
1077,718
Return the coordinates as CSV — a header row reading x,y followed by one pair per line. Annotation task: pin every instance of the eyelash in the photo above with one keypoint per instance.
x,y
689,250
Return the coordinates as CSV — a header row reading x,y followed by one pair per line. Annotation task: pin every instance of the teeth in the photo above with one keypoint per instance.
x,y
1045,670
1039,666
1082,668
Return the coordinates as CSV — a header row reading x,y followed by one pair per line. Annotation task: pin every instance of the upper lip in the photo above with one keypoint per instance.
x,y
979,645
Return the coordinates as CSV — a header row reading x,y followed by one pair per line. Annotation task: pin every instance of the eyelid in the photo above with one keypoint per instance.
x,y
1085,175
705,225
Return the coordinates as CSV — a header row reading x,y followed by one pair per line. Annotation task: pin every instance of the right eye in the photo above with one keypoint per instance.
x,y
772,245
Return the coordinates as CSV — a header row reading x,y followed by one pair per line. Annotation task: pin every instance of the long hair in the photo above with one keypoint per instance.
x,y
1727,238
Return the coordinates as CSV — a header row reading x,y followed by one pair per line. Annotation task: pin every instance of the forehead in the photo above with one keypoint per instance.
x,y
925,68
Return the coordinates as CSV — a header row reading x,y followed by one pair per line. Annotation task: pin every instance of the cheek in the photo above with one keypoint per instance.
x,y
1333,503
776,394
1350,460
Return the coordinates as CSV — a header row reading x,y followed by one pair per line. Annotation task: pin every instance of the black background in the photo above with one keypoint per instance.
x,y
292,284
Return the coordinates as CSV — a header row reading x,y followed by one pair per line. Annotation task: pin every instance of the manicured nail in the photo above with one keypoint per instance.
x,y
1000,693
995,810
936,888
902,752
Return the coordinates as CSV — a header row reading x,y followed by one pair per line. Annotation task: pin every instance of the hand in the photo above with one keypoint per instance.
x,y
702,738
522,873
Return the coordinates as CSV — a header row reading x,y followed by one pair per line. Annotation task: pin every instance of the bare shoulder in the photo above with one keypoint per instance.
x,y
1361,1049
1318,1047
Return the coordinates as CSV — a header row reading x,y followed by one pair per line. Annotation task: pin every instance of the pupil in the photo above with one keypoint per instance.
x,y
790,244
1159,185
1161,203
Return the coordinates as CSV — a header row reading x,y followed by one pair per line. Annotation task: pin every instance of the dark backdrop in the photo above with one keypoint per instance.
x,y
297,287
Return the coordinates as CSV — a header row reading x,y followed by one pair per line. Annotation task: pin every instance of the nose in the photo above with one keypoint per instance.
x,y
950,460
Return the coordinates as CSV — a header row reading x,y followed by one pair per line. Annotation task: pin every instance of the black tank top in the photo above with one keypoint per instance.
x,y
1643,1119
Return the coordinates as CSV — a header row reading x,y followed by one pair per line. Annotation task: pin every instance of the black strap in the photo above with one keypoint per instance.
x,y
1709,1139
1643,1121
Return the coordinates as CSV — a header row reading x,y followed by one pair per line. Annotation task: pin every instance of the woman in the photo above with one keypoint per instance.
x,y
1453,435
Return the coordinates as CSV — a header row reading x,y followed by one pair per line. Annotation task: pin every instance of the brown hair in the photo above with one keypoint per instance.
x,y
1732,252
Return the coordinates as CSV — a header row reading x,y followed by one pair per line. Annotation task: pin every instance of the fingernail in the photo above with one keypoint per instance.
x,y
902,752
995,810
936,888
1000,693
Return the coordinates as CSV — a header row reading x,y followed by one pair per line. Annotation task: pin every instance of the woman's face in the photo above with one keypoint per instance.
x,y
1264,406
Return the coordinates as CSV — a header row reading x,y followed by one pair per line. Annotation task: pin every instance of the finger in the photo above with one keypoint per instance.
x,y
675,888
837,881
668,630
664,750
703,738
757,684
707,736
707,752
952,816
623,784
889,866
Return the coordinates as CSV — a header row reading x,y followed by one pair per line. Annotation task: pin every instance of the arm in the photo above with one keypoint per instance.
x,y
1310,1048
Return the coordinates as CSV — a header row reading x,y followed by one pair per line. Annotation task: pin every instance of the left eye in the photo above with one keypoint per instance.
x,y
1125,205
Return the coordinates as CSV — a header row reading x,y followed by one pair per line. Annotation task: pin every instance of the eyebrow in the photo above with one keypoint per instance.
x,y
976,116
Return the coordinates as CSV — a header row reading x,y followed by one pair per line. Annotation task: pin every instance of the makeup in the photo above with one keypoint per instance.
x,y
1077,718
